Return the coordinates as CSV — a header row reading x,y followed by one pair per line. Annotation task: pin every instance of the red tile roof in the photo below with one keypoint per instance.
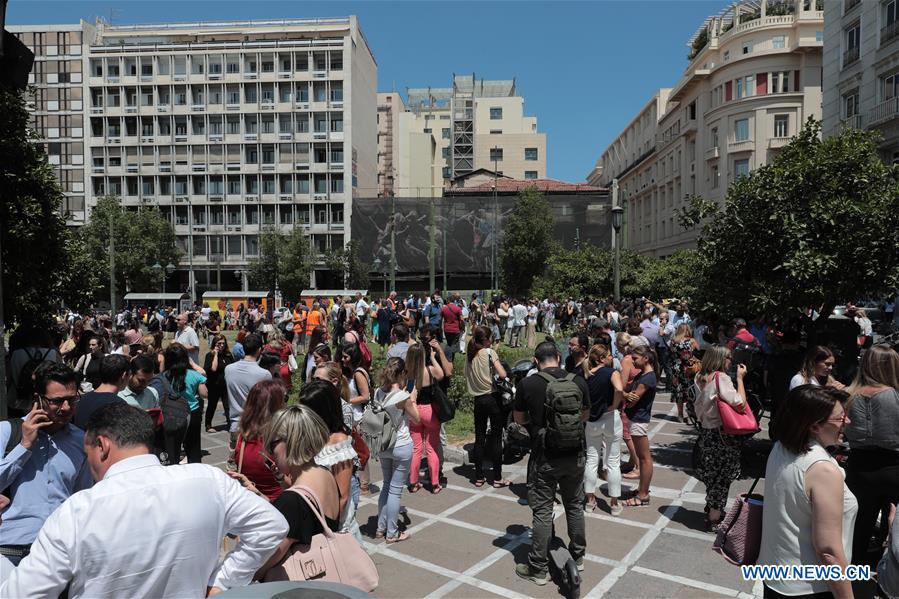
x,y
507,185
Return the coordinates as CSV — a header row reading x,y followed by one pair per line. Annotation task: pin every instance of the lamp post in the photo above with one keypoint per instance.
x,y
377,264
617,218
164,271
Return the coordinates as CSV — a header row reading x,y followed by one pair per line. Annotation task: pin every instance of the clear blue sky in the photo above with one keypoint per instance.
x,y
583,68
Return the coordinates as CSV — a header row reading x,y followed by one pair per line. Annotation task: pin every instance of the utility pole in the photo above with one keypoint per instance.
x,y
392,241
494,271
616,226
432,242
112,262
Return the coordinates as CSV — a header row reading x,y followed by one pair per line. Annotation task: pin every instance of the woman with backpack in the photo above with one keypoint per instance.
x,y
401,408
479,381
425,434
638,399
189,384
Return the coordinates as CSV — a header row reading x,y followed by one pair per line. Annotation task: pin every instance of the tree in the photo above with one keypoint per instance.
x,y
527,241
143,237
590,273
41,258
818,226
346,260
285,262
672,276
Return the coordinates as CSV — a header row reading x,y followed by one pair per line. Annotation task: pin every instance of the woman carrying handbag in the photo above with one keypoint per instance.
x,y
719,452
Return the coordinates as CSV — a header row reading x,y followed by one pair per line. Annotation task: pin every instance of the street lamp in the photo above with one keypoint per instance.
x,y
617,218
164,271
376,264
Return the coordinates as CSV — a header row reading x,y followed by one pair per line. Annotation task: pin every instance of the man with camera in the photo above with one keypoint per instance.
x,y
553,404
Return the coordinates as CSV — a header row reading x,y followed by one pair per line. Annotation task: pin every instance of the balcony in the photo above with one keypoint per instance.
x,y
746,145
885,111
850,56
712,153
889,32
776,143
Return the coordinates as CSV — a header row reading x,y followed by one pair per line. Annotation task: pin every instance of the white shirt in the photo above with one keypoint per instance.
x,y
361,307
188,336
798,379
147,530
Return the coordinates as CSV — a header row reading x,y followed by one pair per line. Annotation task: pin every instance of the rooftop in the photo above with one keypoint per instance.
x,y
506,185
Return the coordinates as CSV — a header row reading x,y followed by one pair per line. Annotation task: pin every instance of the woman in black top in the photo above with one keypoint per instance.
x,y
293,439
214,365
603,429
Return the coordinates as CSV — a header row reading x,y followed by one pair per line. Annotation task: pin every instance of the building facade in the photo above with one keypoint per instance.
x,y
229,129
443,133
754,78
861,67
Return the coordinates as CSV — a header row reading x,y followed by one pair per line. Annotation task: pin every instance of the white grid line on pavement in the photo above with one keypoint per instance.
x,y
696,584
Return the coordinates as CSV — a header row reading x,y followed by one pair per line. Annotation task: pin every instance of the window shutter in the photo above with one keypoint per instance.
x,y
796,81
728,91
761,84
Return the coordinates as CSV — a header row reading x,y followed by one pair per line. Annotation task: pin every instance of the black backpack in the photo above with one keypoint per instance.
x,y
25,378
562,413
175,411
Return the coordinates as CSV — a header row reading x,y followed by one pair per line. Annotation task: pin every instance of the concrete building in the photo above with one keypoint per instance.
x,y
444,133
861,68
753,79
228,128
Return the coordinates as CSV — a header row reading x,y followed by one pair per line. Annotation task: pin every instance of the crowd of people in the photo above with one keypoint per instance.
x,y
110,411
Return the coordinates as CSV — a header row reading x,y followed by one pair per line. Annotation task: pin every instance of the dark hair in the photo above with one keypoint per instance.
x,y
252,343
739,323
323,351
546,351
175,363
53,372
124,425
401,332
142,363
264,399
645,351
602,338
582,340
352,351
324,399
426,328
393,373
816,354
317,336
480,338
112,367
268,360
804,406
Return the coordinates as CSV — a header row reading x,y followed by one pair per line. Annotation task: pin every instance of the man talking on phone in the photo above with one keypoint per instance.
x,y
43,460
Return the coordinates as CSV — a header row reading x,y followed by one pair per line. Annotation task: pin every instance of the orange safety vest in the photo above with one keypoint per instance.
x,y
298,322
313,320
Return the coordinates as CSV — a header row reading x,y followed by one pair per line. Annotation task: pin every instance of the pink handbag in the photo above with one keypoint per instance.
x,y
739,536
732,421
330,557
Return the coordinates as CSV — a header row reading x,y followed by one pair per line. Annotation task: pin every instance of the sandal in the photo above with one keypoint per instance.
x,y
400,537
363,487
632,475
500,484
379,534
590,506
415,488
480,482
637,501
436,490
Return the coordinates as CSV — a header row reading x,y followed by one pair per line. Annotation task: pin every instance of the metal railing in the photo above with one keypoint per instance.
x,y
889,31
850,56
885,111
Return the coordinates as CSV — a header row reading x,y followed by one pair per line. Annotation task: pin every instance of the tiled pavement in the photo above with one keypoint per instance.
x,y
466,541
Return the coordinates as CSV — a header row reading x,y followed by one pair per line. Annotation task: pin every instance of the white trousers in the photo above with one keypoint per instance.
x,y
606,434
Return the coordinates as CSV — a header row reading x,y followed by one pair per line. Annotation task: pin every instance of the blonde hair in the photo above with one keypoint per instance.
x,y
683,331
302,430
879,366
599,353
714,360
623,341
415,364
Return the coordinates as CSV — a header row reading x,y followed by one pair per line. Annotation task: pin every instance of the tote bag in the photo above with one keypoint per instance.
x,y
330,557
739,536
732,421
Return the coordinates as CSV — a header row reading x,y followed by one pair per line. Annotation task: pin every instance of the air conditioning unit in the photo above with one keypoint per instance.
x,y
251,198
162,108
180,199
216,198
267,106
200,228
250,136
146,139
115,140
303,105
215,137
283,75
285,197
320,196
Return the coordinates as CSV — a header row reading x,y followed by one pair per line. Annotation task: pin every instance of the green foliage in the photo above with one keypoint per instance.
x,y
41,258
699,43
284,262
142,238
673,276
346,260
527,242
818,226
589,273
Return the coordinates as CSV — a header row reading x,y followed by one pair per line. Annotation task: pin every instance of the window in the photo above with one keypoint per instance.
x,y
780,82
851,43
530,174
530,153
726,55
747,47
741,168
427,130
741,130
496,132
781,125
446,152
447,172
496,114
890,28
779,42
889,86
713,175
850,103
819,36
496,154
445,133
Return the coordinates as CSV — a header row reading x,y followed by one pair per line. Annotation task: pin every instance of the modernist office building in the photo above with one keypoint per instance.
x,y
441,134
861,68
753,79
227,127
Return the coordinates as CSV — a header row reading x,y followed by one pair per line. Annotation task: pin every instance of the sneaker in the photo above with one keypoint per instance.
x,y
525,571
579,562
617,509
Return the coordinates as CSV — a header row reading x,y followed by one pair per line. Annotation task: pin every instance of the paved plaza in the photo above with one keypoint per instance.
x,y
466,541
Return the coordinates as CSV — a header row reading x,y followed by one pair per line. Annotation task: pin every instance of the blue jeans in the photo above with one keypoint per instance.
x,y
351,525
395,466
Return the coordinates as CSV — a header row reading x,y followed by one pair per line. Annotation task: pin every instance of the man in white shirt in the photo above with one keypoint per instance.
x,y
145,530
187,337
362,308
